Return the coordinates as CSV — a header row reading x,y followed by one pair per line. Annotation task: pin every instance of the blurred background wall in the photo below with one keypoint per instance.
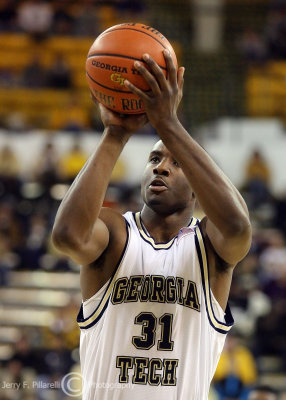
x,y
234,104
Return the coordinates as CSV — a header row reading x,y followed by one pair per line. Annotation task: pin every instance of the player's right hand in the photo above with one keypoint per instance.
x,y
124,124
162,101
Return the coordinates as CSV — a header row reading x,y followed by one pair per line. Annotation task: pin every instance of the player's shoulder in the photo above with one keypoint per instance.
x,y
113,219
201,223
118,235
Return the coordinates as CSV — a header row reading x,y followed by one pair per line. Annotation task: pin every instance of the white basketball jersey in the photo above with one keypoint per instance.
x,y
155,331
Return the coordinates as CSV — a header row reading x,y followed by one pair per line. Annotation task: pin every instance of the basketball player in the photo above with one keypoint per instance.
x,y
263,393
155,283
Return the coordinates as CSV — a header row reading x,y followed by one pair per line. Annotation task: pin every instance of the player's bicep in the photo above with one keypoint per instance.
x,y
231,248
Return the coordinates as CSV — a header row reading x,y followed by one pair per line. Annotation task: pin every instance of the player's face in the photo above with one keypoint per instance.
x,y
261,395
165,187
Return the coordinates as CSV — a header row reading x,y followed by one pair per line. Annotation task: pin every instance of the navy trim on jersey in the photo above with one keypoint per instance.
x,y
149,239
94,317
222,327
81,319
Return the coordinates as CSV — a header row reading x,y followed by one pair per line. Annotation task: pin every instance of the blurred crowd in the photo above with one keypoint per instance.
x,y
27,210
41,358
269,41
258,292
256,345
41,18
49,71
28,205
36,76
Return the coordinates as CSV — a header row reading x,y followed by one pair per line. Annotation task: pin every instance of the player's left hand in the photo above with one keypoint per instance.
x,y
121,124
162,101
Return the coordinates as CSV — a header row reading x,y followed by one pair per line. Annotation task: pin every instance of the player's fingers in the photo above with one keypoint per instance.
x,y
149,78
135,90
172,70
156,70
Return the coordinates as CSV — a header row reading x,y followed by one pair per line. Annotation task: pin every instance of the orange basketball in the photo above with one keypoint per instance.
x,y
111,59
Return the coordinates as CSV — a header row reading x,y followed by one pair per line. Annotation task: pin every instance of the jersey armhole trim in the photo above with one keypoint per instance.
x,y
88,322
222,327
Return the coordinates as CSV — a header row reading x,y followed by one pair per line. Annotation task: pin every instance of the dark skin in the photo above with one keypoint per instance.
x,y
95,237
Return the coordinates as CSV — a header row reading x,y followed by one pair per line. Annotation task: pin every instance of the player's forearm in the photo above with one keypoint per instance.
x,y
218,197
82,203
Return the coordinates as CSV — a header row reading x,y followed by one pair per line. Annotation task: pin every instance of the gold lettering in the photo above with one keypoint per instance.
x,y
117,78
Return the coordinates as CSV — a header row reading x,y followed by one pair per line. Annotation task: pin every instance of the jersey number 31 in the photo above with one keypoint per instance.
x,y
148,333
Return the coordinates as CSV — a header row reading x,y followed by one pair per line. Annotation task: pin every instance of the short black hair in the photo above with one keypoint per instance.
x,y
265,388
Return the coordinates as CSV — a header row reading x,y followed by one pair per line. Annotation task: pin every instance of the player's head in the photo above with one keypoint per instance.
x,y
165,188
263,393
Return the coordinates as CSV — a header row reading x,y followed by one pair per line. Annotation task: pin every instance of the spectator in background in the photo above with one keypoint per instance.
x,y
236,370
130,9
87,22
257,168
107,15
58,357
35,17
11,237
8,259
7,77
16,121
263,393
64,325
270,332
252,47
16,373
10,184
63,19
273,257
9,223
135,6
71,163
73,117
36,242
275,35
59,73
257,179
35,74
23,353
248,299
7,15
118,176
280,213
46,168
9,163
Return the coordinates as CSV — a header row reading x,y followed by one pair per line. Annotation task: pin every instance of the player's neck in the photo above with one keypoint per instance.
x,y
164,227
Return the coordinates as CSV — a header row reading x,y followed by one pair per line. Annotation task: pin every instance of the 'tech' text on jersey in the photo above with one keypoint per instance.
x,y
155,329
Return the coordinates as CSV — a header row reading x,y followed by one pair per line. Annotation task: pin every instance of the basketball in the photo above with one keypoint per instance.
x,y
111,60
